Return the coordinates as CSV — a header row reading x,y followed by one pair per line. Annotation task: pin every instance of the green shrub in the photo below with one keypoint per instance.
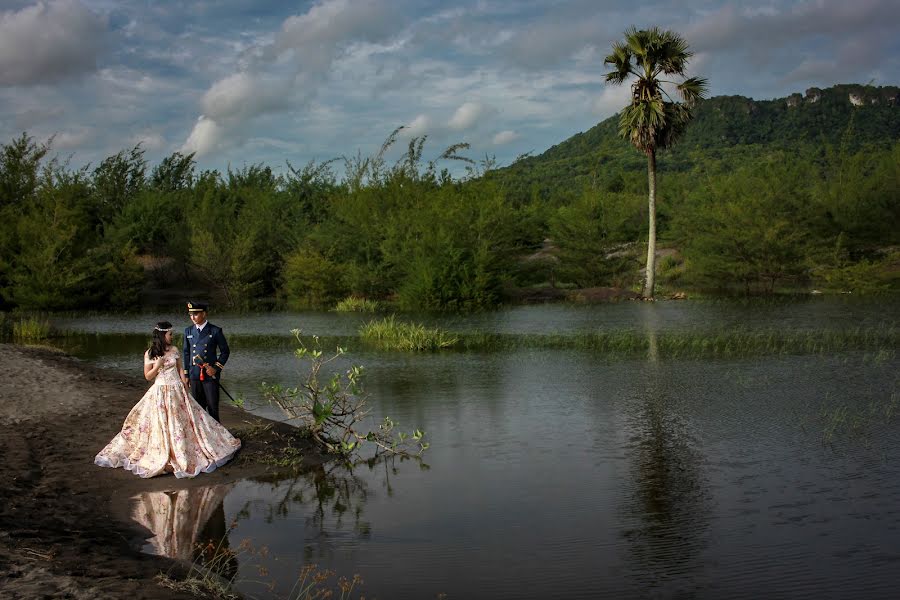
x,y
311,280
864,277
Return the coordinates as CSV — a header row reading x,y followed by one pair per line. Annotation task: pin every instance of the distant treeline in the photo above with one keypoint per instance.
x,y
754,220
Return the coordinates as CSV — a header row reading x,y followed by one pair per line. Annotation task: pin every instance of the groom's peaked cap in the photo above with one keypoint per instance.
x,y
198,306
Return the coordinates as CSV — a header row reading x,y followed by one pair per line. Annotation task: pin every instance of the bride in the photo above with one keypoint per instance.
x,y
167,431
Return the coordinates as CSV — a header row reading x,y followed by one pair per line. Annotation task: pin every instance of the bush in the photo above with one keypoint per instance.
x,y
311,280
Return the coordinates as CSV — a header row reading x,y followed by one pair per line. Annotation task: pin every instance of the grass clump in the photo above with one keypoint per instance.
x,y
391,334
355,304
30,329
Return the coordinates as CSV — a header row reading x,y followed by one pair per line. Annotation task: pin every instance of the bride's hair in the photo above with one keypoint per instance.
x,y
158,345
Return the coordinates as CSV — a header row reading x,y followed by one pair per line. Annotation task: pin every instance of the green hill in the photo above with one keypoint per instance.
x,y
725,128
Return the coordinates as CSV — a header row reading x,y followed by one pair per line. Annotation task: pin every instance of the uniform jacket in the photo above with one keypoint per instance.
x,y
207,347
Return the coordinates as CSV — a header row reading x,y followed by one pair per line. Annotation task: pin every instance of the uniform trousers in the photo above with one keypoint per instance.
x,y
206,393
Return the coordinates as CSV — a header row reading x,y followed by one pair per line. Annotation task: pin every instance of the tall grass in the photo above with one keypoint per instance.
x,y
355,304
30,329
699,344
391,334
879,343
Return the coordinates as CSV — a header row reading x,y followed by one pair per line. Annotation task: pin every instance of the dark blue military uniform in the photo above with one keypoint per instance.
x,y
207,346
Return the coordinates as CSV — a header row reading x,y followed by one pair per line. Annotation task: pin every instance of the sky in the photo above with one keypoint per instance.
x,y
241,82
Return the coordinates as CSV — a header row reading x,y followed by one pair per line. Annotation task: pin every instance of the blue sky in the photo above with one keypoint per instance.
x,y
247,81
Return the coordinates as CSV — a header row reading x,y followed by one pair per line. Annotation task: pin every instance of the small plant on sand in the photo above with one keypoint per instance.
x,y
213,571
333,408
392,334
355,304
313,584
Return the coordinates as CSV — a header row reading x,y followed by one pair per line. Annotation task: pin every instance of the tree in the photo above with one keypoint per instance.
x,y
653,120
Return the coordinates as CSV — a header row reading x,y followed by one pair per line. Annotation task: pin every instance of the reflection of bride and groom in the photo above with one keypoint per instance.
x,y
188,525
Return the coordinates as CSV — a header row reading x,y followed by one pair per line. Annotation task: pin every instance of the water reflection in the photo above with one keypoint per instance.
x,y
188,525
668,506
330,495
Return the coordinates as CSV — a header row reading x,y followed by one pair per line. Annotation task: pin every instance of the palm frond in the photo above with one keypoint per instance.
x,y
693,89
653,119
620,59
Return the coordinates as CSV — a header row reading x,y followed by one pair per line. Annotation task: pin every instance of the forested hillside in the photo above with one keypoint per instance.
x,y
758,197
733,129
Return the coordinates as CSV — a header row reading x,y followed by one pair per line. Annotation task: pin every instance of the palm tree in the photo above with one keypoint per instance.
x,y
653,121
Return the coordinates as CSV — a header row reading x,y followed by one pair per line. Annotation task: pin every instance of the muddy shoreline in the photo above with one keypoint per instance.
x,y
65,527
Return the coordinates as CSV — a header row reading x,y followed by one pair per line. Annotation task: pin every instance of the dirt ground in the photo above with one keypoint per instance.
x,y
65,530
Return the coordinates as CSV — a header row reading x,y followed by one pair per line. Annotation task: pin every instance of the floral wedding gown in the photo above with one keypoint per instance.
x,y
167,431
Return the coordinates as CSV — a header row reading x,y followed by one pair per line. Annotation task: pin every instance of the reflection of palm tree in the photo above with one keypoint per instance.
x,y
669,500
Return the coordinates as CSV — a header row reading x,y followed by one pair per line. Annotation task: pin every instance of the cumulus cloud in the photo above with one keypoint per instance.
x,y
611,100
286,71
505,137
730,27
204,138
316,37
243,95
69,140
149,140
548,43
418,127
465,116
48,42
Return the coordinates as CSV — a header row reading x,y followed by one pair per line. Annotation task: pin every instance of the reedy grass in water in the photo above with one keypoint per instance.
x,y
879,344
30,329
699,344
391,334
354,304
855,421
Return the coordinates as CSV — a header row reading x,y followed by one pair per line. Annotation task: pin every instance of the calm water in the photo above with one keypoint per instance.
x,y
564,474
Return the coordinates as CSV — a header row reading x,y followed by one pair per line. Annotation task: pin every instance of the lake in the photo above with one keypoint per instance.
x,y
572,473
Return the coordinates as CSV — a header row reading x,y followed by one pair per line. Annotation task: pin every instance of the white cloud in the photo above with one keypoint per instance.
x,y
72,140
244,95
329,26
49,42
505,137
611,99
149,141
419,126
465,116
205,137
287,71
553,42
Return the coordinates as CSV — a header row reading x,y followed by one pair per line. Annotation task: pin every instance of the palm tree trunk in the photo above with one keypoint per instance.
x,y
650,278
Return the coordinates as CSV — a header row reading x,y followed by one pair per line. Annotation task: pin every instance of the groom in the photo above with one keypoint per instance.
x,y
205,355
